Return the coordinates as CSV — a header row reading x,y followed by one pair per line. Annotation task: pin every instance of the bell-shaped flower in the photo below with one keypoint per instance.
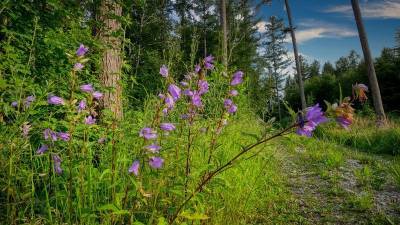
x,y
156,162
64,136
237,78
175,91
134,168
87,88
42,149
81,50
148,133
55,100
167,126
153,148
164,71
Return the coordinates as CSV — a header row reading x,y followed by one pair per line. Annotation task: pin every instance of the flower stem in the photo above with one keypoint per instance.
x,y
225,166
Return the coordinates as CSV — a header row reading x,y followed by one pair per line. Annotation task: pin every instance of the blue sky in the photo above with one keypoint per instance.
x,y
326,29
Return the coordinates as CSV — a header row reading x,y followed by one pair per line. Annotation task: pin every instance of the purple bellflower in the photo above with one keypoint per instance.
x,y
97,95
164,71
196,100
230,106
197,68
134,168
237,78
156,162
81,50
87,88
314,117
148,133
343,122
42,149
48,133
82,105
153,148
203,87
90,120
64,136
233,93
167,126
175,91
57,164
208,62
55,100
78,66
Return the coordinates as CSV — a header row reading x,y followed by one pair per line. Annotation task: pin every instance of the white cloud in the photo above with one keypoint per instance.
x,y
260,26
313,29
389,9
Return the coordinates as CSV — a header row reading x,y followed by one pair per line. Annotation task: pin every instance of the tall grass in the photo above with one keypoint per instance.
x,y
363,135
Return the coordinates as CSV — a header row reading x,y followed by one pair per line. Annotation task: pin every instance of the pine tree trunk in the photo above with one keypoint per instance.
x,y
224,34
296,57
112,61
373,81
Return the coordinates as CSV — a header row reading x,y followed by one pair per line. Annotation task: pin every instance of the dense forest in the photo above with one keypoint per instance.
x,y
183,112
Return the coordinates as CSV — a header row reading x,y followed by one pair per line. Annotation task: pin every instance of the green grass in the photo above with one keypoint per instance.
x,y
364,136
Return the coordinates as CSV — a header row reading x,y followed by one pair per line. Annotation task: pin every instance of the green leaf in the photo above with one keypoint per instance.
x,y
106,207
193,216
162,221
255,136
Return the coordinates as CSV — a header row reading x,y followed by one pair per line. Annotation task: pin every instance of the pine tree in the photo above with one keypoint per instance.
x,y
276,55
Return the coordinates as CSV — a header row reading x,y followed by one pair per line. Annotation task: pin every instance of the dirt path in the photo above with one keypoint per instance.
x,y
355,191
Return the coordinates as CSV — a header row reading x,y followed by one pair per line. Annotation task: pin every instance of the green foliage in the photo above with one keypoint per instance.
x,y
395,172
364,136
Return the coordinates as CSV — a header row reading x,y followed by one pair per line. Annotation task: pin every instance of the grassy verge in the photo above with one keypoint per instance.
x,y
364,136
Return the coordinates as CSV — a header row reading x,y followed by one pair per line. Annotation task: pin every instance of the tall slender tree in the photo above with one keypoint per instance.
x,y
224,34
276,55
111,61
296,56
373,81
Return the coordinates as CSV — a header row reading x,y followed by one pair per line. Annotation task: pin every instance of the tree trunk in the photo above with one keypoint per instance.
x,y
296,57
373,81
112,61
224,34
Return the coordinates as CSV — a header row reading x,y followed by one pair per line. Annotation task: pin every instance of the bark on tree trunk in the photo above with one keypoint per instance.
x,y
296,57
373,81
224,35
112,61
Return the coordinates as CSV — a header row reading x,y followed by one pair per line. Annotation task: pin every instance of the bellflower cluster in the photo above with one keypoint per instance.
x,y
54,136
208,62
359,92
314,117
230,106
344,113
88,88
